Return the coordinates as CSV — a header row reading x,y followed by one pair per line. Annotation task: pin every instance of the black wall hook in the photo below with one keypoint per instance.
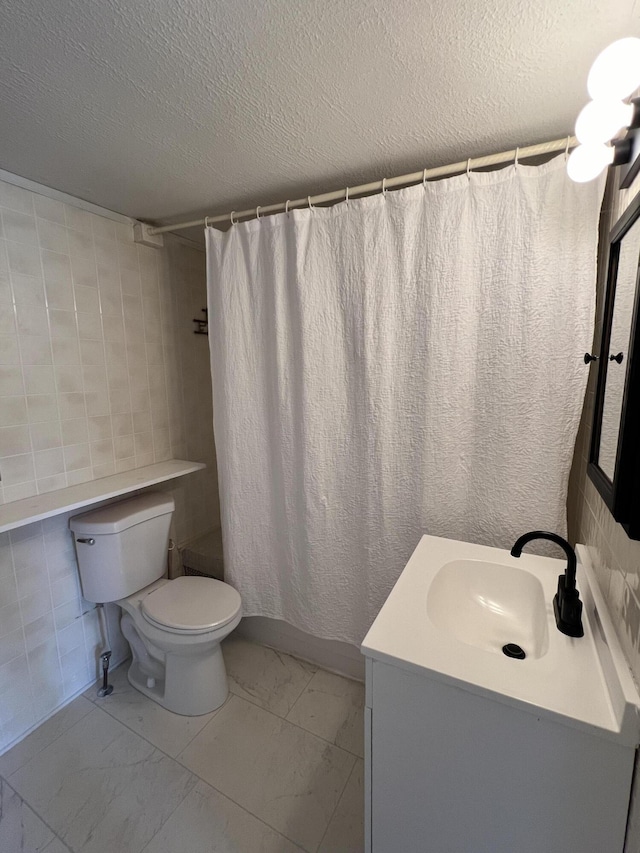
x,y
203,325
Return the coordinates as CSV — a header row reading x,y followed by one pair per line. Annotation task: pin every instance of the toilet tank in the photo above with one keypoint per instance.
x,y
125,548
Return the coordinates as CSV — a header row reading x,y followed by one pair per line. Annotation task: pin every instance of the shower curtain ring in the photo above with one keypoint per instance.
x,y
309,202
206,222
384,187
258,211
424,179
231,215
346,196
286,206
515,161
469,169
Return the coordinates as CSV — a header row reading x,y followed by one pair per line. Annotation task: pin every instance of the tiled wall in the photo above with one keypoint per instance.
x,y
615,556
100,372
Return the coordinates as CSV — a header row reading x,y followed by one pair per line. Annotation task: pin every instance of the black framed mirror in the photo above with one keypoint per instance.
x,y
614,457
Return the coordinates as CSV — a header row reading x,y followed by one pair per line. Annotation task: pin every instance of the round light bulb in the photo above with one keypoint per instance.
x,y
587,161
615,74
599,121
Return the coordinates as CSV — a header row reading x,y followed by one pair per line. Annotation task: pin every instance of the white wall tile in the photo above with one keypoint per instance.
x,y
76,456
8,320
79,220
84,271
17,469
35,349
52,236
28,291
14,440
9,619
63,325
15,198
87,299
11,382
89,326
45,435
55,267
68,379
39,631
80,244
38,379
9,350
49,209
113,376
18,493
42,407
49,462
19,227
75,431
24,259
71,405
51,484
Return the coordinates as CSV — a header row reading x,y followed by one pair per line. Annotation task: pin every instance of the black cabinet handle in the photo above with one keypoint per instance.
x,y
588,357
617,358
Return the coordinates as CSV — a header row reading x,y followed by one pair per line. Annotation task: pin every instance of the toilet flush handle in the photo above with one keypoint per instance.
x,y
87,541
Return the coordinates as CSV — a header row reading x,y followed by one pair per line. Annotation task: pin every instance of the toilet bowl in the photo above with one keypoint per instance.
x,y
174,627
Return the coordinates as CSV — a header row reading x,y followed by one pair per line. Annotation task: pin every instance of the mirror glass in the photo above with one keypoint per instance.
x,y
617,355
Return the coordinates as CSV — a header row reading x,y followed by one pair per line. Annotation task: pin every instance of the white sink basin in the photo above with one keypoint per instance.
x,y
488,605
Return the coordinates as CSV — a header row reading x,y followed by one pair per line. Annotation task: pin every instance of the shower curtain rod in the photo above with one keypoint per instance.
x,y
514,154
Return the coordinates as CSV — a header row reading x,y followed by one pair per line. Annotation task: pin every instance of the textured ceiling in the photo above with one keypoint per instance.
x,y
157,108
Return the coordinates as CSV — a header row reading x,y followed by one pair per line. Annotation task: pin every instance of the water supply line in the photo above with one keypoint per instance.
x,y
105,657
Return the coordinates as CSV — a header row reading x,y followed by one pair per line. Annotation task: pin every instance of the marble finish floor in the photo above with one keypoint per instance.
x,y
277,769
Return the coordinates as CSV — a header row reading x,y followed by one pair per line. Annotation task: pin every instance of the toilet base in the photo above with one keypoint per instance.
x,y
191,686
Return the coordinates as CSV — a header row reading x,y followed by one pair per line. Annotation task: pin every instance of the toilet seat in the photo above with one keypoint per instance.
x,y
191,605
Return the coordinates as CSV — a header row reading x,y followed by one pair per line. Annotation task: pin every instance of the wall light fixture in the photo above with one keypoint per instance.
x,y
613,78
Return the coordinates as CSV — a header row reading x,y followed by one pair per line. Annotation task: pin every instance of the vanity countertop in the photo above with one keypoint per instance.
x,y
582,682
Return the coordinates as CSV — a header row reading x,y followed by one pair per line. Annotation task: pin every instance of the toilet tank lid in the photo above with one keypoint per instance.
x,y
119,516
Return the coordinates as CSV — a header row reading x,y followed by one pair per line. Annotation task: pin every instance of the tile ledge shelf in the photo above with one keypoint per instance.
x,y
38,507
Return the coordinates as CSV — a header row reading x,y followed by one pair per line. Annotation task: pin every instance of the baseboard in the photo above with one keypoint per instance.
x,y
333,655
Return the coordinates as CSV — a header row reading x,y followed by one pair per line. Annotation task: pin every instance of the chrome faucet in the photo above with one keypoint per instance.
x,y
567,606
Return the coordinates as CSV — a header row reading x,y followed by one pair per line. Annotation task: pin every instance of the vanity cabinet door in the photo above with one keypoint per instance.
x,y
455,772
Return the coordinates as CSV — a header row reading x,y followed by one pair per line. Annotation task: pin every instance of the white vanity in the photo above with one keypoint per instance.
x,y
471,751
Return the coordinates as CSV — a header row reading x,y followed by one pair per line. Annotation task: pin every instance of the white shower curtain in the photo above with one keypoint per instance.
x,y
393,366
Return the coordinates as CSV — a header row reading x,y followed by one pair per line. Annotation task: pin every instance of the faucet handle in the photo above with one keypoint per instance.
x,y
567,608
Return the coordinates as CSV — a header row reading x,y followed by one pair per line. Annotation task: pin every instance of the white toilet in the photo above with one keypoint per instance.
x,y
174,627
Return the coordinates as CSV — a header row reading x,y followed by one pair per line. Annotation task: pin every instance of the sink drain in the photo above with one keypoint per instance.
x,y
511,650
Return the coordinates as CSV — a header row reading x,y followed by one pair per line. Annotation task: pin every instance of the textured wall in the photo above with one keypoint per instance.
x,y
99,372
158,108
615,556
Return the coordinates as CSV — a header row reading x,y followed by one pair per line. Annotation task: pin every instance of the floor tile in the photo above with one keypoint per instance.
x,y
346,830
101,787
266,677
207,821
168,731
44,735
21,830
281,773
333,708
56,846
